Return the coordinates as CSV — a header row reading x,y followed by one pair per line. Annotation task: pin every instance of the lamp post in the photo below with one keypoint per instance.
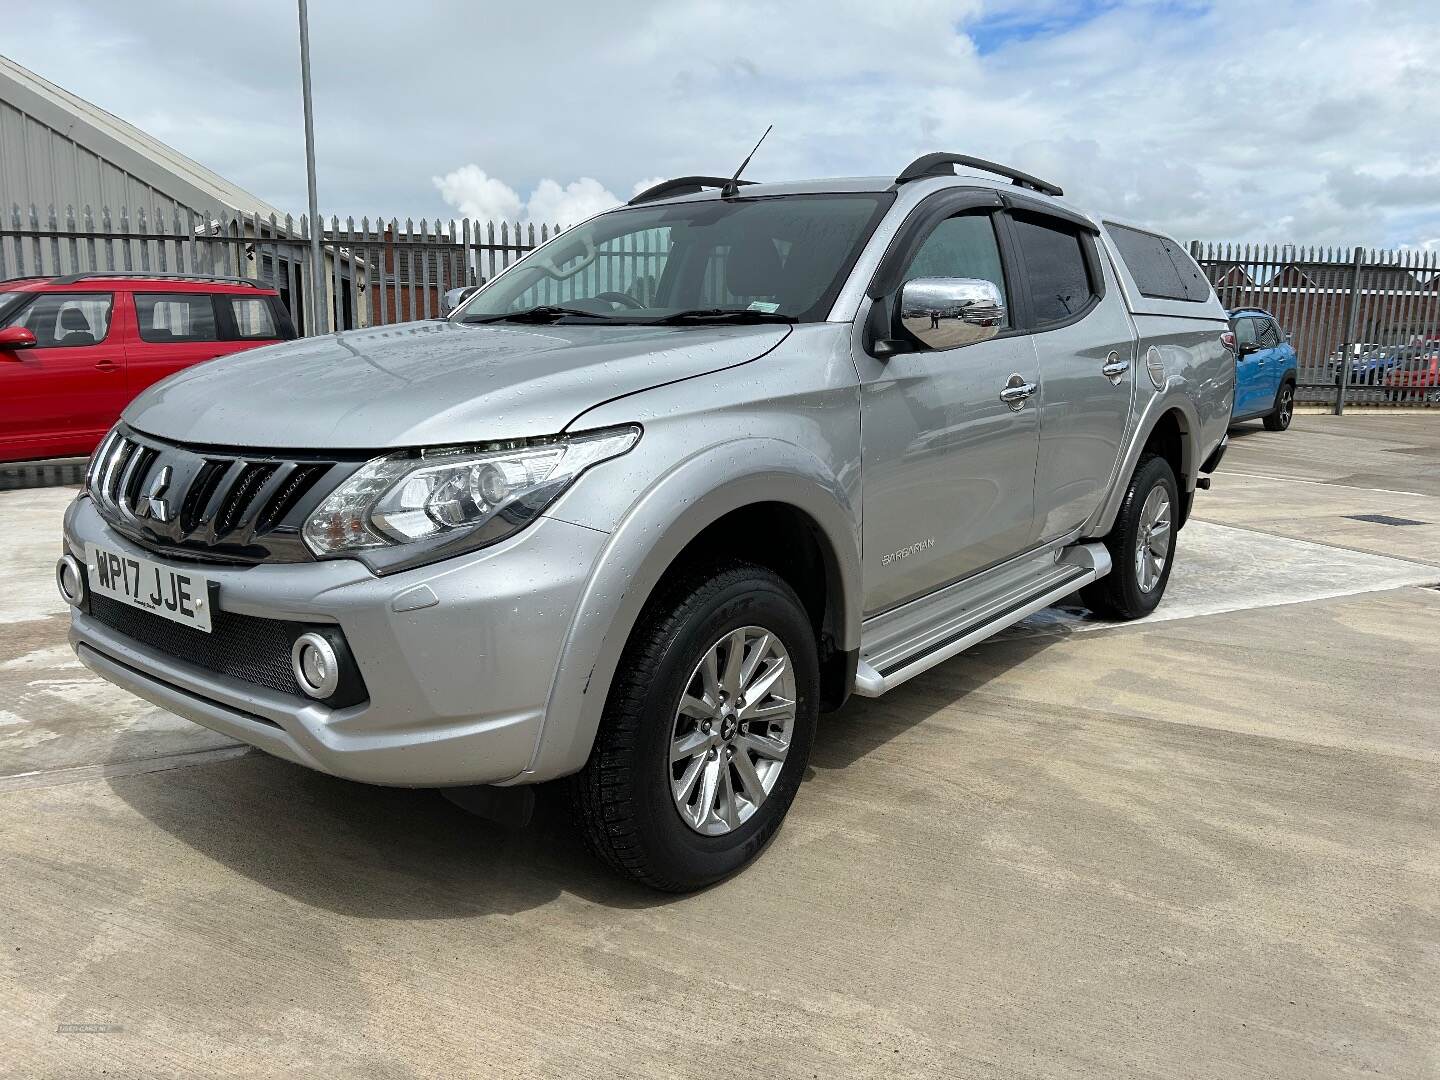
x,y
318,312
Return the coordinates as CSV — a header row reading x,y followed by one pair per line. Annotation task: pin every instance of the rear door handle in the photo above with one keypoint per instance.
x,y
1016,391
1114,367
106,365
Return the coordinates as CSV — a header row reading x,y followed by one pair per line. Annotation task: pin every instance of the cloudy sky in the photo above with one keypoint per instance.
x,y
1313,121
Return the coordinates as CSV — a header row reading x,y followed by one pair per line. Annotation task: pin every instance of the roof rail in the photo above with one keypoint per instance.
x,y
684,185
71,279
940,165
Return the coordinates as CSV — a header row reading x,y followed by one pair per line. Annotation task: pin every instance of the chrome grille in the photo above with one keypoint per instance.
x,y
210,504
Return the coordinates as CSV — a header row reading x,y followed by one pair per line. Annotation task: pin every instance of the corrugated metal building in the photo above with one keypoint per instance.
x,y
59,150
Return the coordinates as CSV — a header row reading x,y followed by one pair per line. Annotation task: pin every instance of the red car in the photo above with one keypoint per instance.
x,y
74,350
1416,374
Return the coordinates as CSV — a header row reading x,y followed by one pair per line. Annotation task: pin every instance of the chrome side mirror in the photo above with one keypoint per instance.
x,y
453,298
945,313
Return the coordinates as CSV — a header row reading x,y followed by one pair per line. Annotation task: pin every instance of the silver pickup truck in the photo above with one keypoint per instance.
x,y
643,506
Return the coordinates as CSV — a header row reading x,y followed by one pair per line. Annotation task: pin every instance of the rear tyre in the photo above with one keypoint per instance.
x,y
1141,545
706,732
1280,418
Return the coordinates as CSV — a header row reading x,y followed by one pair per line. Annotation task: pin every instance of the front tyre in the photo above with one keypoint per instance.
x,y
706,732
1141,545
1279,419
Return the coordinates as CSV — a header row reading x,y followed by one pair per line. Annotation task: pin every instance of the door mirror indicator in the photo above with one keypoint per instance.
x,y
946,313
16,337
1247,347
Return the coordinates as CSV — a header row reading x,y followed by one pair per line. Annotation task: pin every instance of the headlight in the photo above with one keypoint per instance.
x,y
432,502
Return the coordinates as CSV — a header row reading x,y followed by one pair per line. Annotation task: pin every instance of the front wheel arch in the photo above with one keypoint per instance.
x,y
661,524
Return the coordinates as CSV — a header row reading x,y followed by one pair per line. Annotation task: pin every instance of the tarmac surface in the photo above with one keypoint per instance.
x,y
1202,845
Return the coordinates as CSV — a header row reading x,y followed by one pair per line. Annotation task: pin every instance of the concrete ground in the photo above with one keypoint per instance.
x,y
1203,845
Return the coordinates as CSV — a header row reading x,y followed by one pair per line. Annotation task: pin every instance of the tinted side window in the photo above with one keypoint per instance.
x,y
964,247
167,317
253,318
1269,333
1162,271
1197,285
66,320
1149,263
1055,268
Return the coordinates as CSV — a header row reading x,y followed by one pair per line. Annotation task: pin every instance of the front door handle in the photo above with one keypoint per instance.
x,y
1016,391
106,365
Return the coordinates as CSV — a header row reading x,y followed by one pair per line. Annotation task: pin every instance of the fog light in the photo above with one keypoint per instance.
x,y
70,580
316,667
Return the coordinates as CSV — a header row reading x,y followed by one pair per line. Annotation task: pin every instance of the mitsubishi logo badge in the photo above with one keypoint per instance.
x,y
153,503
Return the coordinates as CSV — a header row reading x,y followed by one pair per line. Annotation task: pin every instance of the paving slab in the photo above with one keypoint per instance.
x,y
54,714
1202,845
986,874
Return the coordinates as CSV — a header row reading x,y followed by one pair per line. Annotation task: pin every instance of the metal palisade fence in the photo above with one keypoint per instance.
x,y
1365,323
374,273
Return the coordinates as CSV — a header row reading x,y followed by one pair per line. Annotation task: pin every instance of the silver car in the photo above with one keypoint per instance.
x,y
652,499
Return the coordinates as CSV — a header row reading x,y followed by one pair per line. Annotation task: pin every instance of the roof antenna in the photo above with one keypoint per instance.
x,y
730,190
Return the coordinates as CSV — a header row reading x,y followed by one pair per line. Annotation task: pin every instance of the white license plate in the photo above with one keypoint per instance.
x,y
177,595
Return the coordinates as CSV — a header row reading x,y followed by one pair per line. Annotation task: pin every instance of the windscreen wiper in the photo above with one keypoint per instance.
x,y
542,314
723,315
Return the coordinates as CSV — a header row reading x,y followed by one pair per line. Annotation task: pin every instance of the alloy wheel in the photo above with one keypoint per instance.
x,y
1287,406
732,730
1152,542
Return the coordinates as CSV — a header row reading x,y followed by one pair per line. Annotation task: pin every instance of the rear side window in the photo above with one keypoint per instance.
x,y
1269,333
1055,268
170,317
66,320
1197,285
1162,271
254,319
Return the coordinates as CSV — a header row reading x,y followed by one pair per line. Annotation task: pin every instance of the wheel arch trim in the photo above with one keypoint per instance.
x,y
656,530
1159,406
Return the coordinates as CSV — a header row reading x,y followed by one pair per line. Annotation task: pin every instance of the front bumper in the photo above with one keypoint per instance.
x,y
458,658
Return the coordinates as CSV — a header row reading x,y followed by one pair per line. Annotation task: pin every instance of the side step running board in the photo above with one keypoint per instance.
x,y
1077,566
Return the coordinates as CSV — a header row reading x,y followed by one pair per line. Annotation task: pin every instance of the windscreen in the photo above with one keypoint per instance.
x,y
784,257
9,300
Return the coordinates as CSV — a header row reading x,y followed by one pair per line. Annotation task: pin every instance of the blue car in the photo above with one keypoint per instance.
x,y
1265,367
1372,366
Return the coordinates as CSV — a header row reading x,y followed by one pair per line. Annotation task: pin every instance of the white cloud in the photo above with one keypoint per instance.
x,y
474,193
1308,121
551,204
